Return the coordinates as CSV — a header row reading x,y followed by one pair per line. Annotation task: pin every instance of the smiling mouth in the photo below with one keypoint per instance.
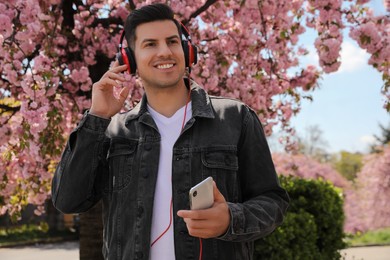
x,y
165,66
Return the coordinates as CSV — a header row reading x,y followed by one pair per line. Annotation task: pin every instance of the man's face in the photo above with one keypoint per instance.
x,y
159,54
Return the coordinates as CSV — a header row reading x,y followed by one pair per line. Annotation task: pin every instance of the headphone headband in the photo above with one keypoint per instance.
x,y
121,39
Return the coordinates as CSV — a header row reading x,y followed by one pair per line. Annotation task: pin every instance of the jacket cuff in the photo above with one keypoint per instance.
x,y
236,222
93,122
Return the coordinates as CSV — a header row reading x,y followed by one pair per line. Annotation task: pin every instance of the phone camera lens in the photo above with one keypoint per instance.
x,y
195,193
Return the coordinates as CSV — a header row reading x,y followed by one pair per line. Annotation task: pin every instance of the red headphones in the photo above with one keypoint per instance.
x,y
126,55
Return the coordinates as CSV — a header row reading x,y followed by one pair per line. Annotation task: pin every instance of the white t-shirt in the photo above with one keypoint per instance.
x,y
170,129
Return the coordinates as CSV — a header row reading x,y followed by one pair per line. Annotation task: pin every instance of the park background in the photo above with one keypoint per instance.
x,y
340,136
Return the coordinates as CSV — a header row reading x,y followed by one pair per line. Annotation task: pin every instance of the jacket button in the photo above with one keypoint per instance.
x,y
139,255
140,211
148,147
145,175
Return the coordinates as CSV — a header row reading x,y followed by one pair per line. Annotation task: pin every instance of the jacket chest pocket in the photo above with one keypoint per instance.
x,y
222,165
120,160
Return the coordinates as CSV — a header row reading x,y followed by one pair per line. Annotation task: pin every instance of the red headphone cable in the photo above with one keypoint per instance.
x,y
170,210
166,230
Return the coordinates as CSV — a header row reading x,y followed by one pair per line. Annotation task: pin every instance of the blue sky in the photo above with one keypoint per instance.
x,y
348,106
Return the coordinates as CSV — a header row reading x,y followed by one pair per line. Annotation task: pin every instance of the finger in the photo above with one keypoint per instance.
x,y
114,76
119,68
114,64
184,213
199,224
110,82
105,84
191,214
200,232
218,197
200,214
123,94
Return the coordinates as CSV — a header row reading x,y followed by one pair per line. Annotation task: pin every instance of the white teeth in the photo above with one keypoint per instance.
x,y
164,66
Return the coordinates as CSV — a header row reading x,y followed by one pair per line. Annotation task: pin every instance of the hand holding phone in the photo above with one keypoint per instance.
x,y
209,223
202,195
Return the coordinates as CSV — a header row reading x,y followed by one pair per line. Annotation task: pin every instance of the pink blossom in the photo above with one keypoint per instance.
x,y
5,26
367,205
27,46
306,167
121,12
246,51
42,63
34,28
81,75
367,36
85,14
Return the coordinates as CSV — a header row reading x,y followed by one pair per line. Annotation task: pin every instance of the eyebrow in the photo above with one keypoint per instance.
x,y
154,40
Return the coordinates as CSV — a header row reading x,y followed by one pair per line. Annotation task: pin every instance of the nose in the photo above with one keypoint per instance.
x,y
164,50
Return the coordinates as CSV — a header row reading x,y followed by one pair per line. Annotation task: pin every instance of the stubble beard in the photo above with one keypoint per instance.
x,y
162,84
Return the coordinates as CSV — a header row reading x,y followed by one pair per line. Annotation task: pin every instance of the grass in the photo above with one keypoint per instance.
x,y
377,237
32,234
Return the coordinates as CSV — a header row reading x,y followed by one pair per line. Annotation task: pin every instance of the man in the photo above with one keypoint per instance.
x,y
142,163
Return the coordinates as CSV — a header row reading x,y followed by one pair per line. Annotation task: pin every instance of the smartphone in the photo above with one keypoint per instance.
x,y
202,195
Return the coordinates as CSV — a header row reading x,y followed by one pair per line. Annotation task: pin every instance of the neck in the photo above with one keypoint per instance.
x,y
167,101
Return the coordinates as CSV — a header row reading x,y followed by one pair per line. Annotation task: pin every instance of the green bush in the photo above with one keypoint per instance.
x,y
295,239
313,227
32,233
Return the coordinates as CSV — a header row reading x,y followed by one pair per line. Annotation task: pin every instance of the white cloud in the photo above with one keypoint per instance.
x,y
352,57
360,144
312,57
367,139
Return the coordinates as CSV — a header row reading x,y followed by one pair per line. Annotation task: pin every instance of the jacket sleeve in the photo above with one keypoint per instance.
x,y
264,201
77,181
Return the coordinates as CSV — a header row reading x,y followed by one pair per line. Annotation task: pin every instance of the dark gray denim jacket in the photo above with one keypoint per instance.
x,y
117,161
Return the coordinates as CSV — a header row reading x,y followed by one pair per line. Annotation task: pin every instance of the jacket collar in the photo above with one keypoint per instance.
x,y
201,105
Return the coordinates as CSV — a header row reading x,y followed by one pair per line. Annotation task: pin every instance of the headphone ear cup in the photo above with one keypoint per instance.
x,y
194,52
132,63
120,58
190,53
126,56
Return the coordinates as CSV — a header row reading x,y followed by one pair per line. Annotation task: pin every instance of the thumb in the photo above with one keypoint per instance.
x,y
218,197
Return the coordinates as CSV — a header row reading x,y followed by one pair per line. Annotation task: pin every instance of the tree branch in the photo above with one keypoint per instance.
x,y
200,10
67,13
106,22
8,108
132,5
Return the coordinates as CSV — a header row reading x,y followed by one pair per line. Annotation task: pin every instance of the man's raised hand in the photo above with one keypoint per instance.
x,y
104,102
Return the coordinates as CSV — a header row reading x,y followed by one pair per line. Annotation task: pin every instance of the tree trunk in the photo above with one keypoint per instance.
x,y
91,224
91,234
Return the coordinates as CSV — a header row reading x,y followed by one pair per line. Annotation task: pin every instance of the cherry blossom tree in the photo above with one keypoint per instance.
x,y
367,205
51,51
304,166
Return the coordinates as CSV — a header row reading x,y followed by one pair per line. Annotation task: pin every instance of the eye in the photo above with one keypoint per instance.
x,y
173,41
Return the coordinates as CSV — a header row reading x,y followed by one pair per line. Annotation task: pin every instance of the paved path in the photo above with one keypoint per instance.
x,y
58,251
70,251
367,253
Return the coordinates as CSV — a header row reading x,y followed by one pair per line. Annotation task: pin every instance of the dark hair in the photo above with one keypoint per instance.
x,y
146,14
